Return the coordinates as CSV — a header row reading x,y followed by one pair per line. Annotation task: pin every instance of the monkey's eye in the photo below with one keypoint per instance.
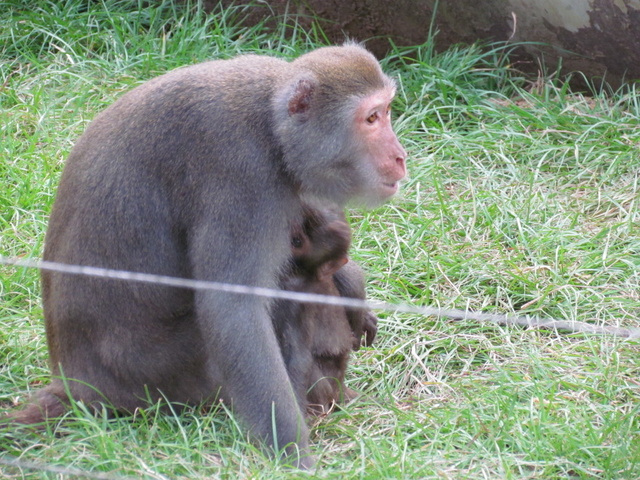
x,y
296,242
372,118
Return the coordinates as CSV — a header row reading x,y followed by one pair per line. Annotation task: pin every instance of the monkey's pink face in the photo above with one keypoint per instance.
x,y
382,148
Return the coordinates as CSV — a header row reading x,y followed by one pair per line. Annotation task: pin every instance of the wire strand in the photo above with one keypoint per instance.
x,y
572,326
17,463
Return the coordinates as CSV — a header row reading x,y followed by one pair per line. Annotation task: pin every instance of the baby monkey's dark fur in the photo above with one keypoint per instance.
x,y
316,339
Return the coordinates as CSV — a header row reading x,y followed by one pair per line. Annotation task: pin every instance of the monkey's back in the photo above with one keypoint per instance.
x,y
134,189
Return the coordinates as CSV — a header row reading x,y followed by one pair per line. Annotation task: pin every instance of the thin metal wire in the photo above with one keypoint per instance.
x,y
42,467
455,314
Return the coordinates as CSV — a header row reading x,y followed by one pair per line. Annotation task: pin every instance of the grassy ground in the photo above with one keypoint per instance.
x,y
516,202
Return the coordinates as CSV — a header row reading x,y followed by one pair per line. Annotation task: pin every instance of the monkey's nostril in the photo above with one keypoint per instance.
x,y
401,164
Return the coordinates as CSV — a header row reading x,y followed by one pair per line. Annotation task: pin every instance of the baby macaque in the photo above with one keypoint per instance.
x,y
316,339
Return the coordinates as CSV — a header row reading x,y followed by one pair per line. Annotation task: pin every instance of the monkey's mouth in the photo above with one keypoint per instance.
x,y
389,188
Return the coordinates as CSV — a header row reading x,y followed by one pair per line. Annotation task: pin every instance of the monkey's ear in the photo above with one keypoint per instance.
x,y
327,269
302,95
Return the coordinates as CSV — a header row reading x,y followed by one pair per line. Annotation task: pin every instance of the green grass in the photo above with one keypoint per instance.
x,y
519,199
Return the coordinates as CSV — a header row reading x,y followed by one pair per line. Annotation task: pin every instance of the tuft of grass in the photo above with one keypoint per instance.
x,y
521,198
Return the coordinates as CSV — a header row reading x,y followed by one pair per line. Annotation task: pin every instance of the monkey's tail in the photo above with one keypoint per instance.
x,y
49,403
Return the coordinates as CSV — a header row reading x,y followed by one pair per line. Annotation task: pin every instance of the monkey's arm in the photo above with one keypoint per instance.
x,y
243,356
349,281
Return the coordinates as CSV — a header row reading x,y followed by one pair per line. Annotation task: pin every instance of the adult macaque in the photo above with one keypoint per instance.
x,y
197,174
316,339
